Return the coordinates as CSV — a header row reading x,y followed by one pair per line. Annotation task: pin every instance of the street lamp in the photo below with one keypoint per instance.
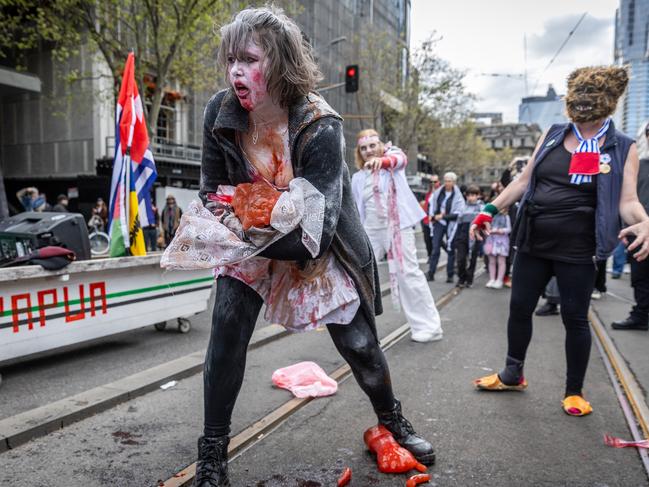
x,y
331,43
328,46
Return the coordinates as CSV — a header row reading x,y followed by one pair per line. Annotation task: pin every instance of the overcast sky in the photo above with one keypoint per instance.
x,y
486,36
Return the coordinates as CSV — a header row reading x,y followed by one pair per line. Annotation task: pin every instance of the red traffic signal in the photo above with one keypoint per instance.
x,y
351,78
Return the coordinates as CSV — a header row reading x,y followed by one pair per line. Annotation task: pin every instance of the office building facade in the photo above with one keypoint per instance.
x,y
543,110
632,50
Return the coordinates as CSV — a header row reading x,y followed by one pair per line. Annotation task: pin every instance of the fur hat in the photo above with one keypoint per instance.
x,y
593,92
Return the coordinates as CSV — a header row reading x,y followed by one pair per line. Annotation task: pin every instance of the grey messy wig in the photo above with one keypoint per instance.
x,y
290,70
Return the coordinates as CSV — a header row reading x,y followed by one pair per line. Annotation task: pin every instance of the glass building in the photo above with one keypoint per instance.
x,y
632,49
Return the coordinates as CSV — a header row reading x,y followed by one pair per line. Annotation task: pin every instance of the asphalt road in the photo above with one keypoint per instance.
x,y
484,439
151,437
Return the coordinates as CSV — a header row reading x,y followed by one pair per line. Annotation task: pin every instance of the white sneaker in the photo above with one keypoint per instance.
x,y
425,336
497,285
596,295
490,283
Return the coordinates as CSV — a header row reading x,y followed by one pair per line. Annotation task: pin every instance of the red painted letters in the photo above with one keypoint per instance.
x,y
15,310
82,310
42,306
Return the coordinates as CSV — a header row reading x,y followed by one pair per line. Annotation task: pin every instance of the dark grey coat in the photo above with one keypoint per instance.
x,y
317,146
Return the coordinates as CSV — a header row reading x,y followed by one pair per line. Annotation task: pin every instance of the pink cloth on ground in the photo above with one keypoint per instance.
x,y
305,379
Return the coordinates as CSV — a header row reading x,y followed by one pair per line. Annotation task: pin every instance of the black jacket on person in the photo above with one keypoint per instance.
x,y
317,146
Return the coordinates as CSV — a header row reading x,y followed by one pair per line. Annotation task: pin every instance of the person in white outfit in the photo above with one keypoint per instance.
x,y
390,212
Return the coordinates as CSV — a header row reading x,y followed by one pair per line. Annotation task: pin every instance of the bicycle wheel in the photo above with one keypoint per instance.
x,y
99,243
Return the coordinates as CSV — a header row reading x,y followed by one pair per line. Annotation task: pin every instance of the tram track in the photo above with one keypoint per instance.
x,y
259,430
628,391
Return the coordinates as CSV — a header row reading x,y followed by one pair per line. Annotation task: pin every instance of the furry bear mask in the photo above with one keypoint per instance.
x,y
593,92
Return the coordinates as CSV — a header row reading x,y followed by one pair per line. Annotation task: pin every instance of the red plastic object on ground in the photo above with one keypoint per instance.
x,y
420,478
390,457
253,203
345,478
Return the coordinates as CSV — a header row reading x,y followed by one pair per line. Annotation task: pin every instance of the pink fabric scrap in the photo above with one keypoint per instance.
x,y
305,379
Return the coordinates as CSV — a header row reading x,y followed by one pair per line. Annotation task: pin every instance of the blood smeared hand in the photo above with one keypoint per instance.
x,y
390,456
253,203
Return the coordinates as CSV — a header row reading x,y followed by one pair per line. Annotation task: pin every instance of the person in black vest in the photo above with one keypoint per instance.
x,y
639,317
581,180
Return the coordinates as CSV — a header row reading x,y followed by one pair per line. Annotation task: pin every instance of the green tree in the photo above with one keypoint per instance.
x,y
174,40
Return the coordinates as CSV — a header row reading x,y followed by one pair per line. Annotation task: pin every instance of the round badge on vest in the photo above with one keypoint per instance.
x,y
604,163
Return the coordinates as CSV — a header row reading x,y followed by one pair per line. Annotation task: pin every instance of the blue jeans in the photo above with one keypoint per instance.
x,y
438,243
619,258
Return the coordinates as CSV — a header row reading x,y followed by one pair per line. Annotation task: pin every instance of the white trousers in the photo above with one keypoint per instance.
x,y
415,296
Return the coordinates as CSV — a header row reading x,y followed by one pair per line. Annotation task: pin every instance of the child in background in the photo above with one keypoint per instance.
x,y
497,248
464,246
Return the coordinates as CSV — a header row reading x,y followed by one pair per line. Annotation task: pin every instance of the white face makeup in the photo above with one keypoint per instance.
x,y
369,149
247,78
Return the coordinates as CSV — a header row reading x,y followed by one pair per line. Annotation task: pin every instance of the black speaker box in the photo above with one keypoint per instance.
x,y
23,233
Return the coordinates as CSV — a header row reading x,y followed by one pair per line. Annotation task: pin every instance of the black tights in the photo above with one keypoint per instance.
x,y
235,313
575,282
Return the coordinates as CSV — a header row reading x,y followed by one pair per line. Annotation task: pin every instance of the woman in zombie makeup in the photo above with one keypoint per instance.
x,y
389,212
581,180
269,125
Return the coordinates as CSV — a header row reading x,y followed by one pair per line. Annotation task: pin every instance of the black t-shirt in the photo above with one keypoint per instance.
x,y
561,215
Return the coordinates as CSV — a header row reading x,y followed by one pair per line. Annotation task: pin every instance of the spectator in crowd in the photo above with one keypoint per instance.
x,y
425,223
467,249
639,316
497,248
31,199
552,299
171,214
101,210
446,205
435,182
619,260
151,231
61,205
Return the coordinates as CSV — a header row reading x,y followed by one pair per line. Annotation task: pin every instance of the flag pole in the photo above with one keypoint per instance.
x,y
127,197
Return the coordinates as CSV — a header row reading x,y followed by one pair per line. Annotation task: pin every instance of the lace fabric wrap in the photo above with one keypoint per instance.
x,y
213,236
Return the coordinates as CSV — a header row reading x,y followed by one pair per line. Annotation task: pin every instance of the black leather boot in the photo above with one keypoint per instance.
x,y
405,435
629,324
548,309
212,464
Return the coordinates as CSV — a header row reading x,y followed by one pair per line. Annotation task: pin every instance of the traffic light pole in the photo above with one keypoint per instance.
x,y
330,87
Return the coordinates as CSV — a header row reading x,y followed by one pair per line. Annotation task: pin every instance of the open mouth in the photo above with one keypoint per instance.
x,y
241,90
583,108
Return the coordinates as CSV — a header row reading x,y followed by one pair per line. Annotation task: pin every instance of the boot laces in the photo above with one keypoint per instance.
x,y
210,463
405,424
